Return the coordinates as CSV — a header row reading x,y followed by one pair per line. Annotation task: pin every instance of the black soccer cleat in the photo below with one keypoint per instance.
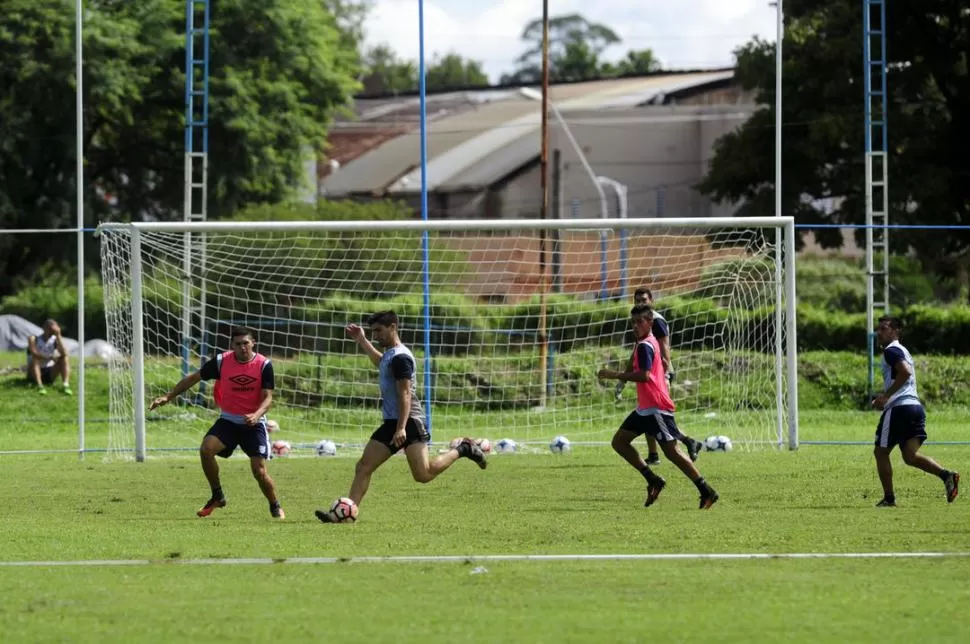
x,y
694,449
469,449
652,459
886,503
323,515
654,488
709,499
952,483
211,505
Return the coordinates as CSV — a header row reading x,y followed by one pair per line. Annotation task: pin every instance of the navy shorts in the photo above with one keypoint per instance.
x,y
663,427
899,424
46,376
414,431
253,439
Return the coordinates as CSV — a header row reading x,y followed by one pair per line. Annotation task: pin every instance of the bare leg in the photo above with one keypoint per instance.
x,y
623,445
258,467
651,445
207,453
423,469
34,371
375,454
913,458
675,456
62,368
884,467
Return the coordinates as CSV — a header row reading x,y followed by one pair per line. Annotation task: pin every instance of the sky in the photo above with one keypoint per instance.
x,y
683,34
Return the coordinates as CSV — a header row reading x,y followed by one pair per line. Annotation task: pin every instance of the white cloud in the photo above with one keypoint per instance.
x,y
683,34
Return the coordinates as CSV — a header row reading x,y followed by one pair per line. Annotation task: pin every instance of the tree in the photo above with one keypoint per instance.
x,y
928,127
575,45
386,73
279,70
453,71
640,61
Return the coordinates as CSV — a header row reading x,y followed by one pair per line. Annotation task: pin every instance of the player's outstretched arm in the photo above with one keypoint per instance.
x,y
356,333
183,385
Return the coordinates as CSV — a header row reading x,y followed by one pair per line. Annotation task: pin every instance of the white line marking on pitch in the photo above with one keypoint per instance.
x,y
478,558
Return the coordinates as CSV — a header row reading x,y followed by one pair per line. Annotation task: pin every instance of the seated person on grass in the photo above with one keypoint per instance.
x,y
47,359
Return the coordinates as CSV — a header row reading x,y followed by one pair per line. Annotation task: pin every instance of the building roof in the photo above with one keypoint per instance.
x,y
474,138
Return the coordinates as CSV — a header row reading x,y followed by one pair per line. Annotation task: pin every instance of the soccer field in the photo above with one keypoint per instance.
x,y
145,568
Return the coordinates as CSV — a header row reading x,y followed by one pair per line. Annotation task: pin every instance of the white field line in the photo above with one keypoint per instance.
x,y
470,559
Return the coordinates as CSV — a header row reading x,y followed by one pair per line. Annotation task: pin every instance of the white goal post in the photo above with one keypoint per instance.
x,y
509,321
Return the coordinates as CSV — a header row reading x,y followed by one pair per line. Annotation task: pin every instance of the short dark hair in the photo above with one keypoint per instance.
x,y
237,331
641,309
643,290
894,322
384,318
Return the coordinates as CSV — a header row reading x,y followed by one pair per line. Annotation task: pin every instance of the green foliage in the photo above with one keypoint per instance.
x,y
929,95
838,284
279,71
55,296
388,74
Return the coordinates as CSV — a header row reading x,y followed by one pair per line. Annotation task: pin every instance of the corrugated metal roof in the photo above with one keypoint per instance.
x,y
477,145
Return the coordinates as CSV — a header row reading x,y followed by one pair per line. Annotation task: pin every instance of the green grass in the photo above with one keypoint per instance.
x,y
818,499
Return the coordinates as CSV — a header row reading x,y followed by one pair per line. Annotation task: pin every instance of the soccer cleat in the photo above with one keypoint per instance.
x,y
886,503
323,515
694,448
654,488
67,391
42,391
469,449
952,483
277,513
211,505
709,499
652,459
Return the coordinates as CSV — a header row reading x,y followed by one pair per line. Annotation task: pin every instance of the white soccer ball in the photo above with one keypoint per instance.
x,y
281,448
718,444
272,426
343,510
560,445
505,446
326,448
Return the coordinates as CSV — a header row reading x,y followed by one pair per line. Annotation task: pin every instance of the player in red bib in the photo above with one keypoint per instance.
x,y
654,414
244,392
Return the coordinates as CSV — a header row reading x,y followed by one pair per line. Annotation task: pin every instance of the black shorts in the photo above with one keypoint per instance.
x,y
899,424
46,376
663,427
254,440
414,430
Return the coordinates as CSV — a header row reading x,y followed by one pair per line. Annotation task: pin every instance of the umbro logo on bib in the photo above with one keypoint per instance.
x,y
242,380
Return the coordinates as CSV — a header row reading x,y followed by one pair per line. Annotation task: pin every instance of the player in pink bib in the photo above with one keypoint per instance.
x,y
244,392
654,415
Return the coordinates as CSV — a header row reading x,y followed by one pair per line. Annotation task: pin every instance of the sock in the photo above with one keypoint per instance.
x,y
944,474
274,505
702,486
648,474
217,493
463,449
889,497
653,455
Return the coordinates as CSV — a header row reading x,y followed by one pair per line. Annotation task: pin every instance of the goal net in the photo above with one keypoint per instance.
x,y
509,322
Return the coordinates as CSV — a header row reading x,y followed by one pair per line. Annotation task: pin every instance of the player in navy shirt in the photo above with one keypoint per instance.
x,y
903,420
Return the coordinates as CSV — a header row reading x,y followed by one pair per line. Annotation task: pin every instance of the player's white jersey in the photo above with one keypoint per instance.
x,y
46,348
891,356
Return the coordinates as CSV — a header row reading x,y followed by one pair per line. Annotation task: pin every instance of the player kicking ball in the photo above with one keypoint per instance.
x,y
403,426
654,415
903,420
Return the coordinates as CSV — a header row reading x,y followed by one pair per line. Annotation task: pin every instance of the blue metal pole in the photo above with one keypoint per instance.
x,y
425,251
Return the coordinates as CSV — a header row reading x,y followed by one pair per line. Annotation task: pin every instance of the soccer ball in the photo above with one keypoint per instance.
x,y
281,448
506,446
718,444
326,448
272,426
343,510
560,445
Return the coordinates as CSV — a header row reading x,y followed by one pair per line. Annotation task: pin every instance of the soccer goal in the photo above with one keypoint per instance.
x,y
510,322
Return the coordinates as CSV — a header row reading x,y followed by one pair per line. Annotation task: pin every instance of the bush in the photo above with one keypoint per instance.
x,y
56,297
